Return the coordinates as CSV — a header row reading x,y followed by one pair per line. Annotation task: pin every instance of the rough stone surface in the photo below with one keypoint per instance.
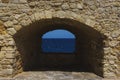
x,y
48,75
100,15
57,75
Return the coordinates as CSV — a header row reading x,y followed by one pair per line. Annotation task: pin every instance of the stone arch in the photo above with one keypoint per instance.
x,y
26,20
77,24
34,31
27,15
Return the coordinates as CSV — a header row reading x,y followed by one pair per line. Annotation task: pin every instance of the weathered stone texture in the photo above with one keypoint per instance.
x,y
101,15
2,28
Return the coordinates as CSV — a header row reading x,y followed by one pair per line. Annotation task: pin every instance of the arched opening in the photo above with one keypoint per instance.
x,y
88,55
58,41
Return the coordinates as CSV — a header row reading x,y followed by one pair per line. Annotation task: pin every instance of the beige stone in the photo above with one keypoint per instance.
x,y
80,6
7,62
60,14
5,1
11,31
17,27
2,55
90,22
7,71
7,66
114,43
23,22
73,5
42,15
116,4
8,24
17,16
37,16
2,28
9,42
115,33
15,22
80,18
22,1
48,14
32,17
112,62
65,6
9,56
8,48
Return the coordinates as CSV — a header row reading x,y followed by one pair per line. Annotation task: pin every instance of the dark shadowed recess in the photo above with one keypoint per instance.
x,y
88,56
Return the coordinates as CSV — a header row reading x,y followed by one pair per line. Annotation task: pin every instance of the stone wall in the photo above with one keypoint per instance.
x,y
101,15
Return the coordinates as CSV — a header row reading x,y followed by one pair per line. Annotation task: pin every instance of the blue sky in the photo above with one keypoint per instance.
x,y
59,33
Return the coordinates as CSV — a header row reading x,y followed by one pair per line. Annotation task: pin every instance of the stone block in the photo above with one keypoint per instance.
x,y
9,56
17,16
7,71
7,62
1,37
22,1
5,1
48,14
65,6
7,66
18,1
17,27
90,22
26,22
32,17
57,4
2,28
115,33
9,43
42,15
80,6
15,22
112,62
113,43
1,23
8,24
37,16
14,1
11,31
60,14
110,75
23,23
8,48
73,5
2,55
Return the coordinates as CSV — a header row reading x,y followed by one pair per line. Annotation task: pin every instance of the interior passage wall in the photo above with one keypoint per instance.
x,y
89,48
